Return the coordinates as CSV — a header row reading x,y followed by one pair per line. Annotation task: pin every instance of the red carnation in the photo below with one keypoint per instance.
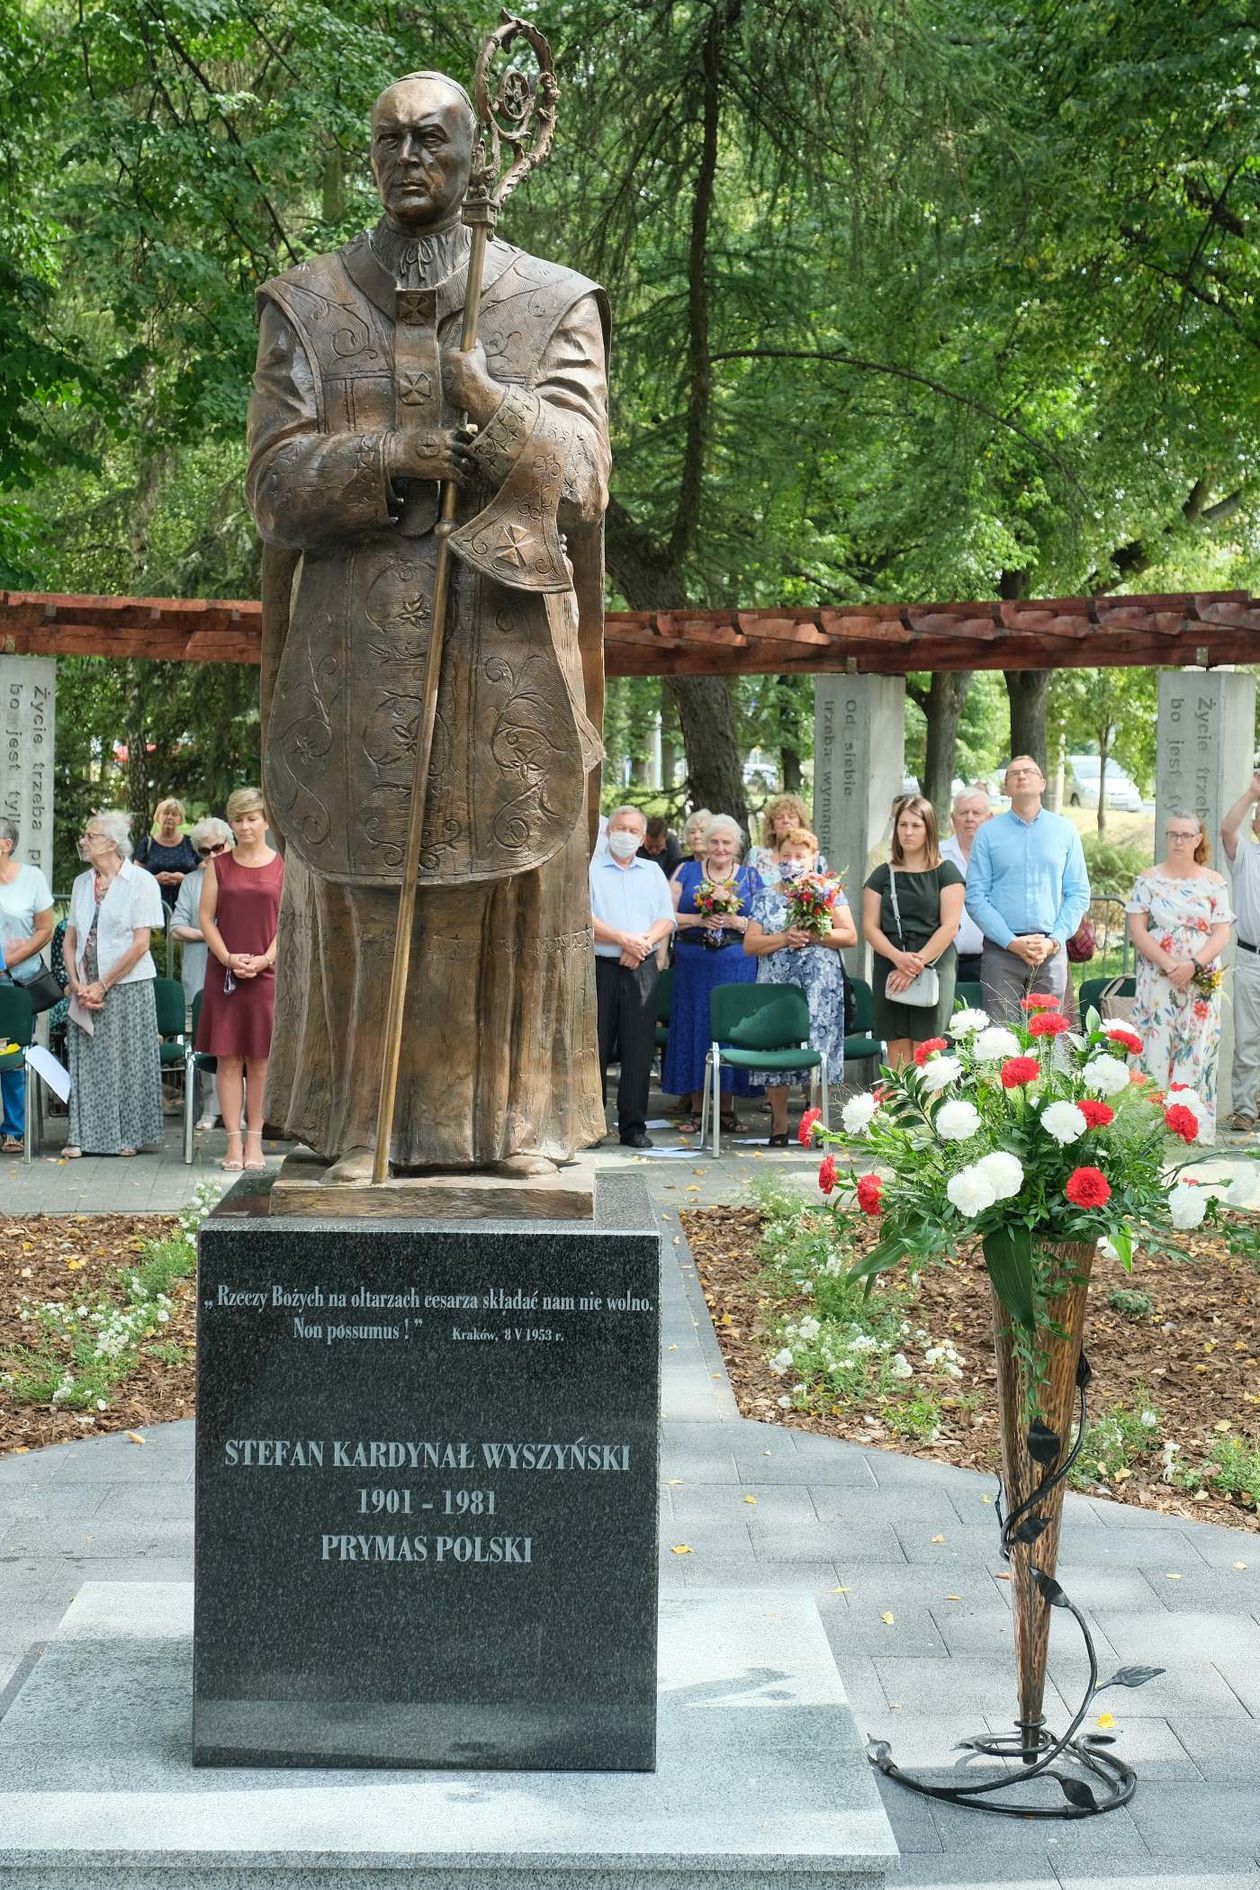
x,y
1017,1071
805,1134
1048,1024
1182,1122
827,1174
1096,1113
869,1190
1124,1039
1039,1001
924,1050
1088,1188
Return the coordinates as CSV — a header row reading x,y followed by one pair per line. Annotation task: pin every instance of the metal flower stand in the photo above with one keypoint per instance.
x,y
1035,1462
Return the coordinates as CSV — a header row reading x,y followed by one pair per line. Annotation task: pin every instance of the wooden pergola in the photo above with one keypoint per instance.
x,y
1202,629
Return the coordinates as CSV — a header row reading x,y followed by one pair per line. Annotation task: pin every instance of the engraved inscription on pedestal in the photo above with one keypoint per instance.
x,y
28,697
426,1494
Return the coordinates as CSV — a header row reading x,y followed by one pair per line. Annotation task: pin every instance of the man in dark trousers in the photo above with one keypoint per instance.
x,y
632,911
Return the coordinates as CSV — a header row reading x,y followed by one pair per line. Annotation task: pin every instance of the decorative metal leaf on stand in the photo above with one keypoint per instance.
x,y
1084,1371
1008,1257
1132,1677
1049,1588
1078,1793
1030,1529
879,1752
1043,1443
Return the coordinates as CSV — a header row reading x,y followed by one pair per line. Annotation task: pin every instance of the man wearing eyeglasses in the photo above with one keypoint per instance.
x,y
209,839
1027,890
1243,859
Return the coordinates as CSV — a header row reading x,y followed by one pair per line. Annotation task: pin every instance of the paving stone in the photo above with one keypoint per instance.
x,y
902,1504
779,1506
924,1872
1180,1872
859,1627
1184,1638
840,1542
940,1687
1198,1820
1222,1749
724,1571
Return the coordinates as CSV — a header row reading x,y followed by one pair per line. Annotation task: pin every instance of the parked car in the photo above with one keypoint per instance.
x,y
1081,784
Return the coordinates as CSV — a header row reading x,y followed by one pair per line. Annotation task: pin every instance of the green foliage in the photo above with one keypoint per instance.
x,y
1129,1301
1233,1469
1113,865
1115,1441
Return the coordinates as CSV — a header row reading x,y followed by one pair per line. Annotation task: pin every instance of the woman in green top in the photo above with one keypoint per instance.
x,y
930,899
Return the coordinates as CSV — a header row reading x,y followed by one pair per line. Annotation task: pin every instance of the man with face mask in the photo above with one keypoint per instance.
x,y
363,402
632,912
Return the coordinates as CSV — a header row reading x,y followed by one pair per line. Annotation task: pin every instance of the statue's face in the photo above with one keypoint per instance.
x,y
421,152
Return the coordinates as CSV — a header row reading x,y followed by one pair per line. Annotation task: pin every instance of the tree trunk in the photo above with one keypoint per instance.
x,y
946,699
1029,692
790,768
1104,754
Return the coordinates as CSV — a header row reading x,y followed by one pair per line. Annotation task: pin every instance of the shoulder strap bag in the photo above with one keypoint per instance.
x,y
924,993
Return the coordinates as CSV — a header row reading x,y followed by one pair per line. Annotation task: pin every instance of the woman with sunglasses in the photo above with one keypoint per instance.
x,y
208,839
238,915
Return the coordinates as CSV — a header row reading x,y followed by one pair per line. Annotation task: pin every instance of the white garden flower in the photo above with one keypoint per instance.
x,y
971,1192
1003,1171
901,1366
956,1120
964,1022
857,1113
1064,1121
996,1043
1107,1248
938,1072
807,1328
1105,1076
1189,1099
781,1360
1187,1205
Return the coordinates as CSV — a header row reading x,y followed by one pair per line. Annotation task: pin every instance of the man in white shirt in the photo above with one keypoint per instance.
x,y
1242,856
970,811
632,912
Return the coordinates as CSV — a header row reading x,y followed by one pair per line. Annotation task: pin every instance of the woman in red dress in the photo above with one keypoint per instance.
x,y
240,907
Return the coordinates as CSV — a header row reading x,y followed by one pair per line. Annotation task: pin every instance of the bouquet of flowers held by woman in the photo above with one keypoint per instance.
x,y
716,899
1026,1138
1207,978
811,903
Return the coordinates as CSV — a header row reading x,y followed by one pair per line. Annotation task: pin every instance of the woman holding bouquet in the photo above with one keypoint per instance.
x,y
797,928
712,897
911,911
1179,919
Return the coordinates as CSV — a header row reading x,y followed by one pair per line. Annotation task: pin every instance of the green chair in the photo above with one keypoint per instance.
x,y
664,1010
968,992
17,1025
861,1045
195,1062
758,1027
1090,994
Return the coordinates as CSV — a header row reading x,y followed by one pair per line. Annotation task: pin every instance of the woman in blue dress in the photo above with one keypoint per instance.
x,y
707,952
787,954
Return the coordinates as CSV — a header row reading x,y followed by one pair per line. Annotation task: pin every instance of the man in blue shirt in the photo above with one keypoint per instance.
x,y
632,911
1027,890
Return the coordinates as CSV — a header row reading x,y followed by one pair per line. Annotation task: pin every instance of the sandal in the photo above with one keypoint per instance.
x,y
779,1141
230,1166
256,1135
689,1125
1241,1123
72,1154
11,1145
731,1124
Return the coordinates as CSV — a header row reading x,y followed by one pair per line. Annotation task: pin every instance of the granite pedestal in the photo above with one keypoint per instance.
x,y
762,1783
426,1489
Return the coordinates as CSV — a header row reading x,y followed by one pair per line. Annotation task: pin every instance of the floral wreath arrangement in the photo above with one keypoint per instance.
x,y
811,903
716,900
1043,1143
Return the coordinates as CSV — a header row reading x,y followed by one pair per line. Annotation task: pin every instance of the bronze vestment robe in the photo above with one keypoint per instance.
x,y
498,1054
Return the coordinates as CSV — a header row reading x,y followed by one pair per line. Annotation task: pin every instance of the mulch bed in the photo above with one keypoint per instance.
x,y
56,1257
1195,1357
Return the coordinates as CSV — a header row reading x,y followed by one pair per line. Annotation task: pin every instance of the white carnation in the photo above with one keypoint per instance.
x,y
1105,1076
1107,1248
996,1043
857,1113
1003,1171
1064,1121
1189,1099
938,1072
964,1022
971,1192
956,1120
1187,1206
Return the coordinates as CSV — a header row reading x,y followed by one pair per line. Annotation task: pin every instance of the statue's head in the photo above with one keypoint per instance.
x,y
423,131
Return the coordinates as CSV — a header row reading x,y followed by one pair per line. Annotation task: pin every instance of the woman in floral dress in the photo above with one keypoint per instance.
x,y
788,955
1179,920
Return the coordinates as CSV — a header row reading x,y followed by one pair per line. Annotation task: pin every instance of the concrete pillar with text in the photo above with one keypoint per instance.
x,y
859,761
28,703
1205,750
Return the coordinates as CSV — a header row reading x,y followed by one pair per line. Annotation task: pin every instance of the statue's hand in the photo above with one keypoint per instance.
x,y
440,453
468,383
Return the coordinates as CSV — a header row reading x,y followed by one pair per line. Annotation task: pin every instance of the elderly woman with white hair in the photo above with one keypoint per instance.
x,y
209,839
708,951
115,1074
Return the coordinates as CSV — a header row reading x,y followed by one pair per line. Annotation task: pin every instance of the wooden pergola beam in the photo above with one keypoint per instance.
x,y
1200,629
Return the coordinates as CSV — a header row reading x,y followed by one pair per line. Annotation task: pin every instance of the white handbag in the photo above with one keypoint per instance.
x,y
924,993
